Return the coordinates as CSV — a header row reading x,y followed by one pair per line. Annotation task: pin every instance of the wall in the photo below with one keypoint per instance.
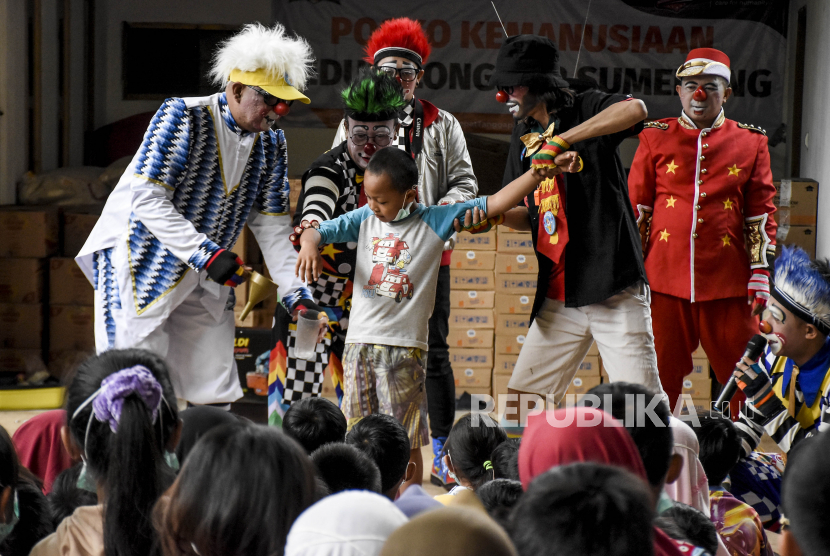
x,y
110,14
815,154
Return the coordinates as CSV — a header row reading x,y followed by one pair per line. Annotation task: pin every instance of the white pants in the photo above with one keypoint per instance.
x,y
560,337
198,351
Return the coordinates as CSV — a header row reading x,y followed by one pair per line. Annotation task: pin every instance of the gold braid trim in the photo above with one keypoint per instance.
x,y
757,241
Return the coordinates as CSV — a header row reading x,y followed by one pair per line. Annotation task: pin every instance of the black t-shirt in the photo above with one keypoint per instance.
x,y
603,255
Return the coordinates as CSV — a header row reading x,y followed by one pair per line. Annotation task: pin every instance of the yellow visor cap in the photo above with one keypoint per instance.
x,y
278,87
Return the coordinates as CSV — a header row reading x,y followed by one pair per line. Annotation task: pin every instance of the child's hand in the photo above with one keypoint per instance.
x,y
309,262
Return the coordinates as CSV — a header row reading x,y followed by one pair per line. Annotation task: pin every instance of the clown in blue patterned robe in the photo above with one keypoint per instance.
x,y
196,180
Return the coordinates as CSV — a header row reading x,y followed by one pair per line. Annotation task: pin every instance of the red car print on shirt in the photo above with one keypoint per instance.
x,y
396,284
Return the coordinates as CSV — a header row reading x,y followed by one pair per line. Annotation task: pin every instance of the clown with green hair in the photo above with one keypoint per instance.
x,y
333,186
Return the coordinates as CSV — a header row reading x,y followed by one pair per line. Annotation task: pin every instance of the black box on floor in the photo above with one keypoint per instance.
x,y
251,348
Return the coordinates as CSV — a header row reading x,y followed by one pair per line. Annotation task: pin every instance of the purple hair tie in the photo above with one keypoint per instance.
x,y
138,380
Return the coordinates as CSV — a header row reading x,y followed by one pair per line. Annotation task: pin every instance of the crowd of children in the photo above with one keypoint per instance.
x,y
582,480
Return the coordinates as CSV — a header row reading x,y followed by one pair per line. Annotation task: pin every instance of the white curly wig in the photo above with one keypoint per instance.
x,y
257,47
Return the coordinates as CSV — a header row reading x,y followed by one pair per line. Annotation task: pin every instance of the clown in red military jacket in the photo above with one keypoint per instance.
x,y
703,201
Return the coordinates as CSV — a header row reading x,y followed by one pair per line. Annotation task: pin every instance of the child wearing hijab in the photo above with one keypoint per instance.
x,y
39,445
586,434
351,523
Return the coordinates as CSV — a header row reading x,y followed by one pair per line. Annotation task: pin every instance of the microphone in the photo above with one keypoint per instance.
x,y
754,349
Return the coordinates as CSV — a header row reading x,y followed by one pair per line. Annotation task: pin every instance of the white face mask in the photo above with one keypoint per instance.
x,y
404,212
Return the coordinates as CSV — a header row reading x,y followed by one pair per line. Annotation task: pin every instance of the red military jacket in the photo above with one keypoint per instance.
x,y
703,201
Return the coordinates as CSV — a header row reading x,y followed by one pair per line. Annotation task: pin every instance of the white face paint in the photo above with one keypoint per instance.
x,y
398,63
775,316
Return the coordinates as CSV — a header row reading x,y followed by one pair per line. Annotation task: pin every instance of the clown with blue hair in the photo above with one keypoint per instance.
x,y
160,256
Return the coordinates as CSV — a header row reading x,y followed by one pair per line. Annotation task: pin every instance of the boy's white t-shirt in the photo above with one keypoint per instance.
x,y
396,270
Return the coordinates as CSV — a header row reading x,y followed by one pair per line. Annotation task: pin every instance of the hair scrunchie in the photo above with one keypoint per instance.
x,y
138,380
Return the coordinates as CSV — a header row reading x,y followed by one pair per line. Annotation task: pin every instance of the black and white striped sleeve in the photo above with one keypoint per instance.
x,y
320,195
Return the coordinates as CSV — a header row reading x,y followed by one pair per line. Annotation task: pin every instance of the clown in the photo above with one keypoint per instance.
x,y
788,393
333,186
159,257
701,188
400,48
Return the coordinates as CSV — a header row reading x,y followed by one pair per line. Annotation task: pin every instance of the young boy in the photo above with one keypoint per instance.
x,y
399,245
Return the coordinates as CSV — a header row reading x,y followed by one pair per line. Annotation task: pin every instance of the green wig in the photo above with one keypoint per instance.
x,y
373,96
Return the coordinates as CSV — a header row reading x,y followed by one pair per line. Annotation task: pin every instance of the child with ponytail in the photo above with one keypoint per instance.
x,y
122,421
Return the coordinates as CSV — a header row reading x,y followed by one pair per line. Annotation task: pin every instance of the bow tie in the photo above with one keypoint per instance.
x,y
534,141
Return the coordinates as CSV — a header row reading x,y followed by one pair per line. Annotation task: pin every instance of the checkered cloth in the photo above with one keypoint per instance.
x,y
405,121
328,289
756,481
304,378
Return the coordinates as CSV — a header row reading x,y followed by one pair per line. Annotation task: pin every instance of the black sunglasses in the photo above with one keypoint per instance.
x,y
268,98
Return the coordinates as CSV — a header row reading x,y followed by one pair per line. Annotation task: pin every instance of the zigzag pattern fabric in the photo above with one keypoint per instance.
x,y
181,153
104,281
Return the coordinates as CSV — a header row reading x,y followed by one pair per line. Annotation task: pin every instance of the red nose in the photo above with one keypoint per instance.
x,y
764,327
501,96
700,95
282,108
369,149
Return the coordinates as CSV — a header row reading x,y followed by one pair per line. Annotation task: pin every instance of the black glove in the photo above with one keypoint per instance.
x,y
226,268
303,305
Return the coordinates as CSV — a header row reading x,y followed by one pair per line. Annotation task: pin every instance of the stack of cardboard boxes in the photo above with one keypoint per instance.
x,y
698,384
797,203
472,319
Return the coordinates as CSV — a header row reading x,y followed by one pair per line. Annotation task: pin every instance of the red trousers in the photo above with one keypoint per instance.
x,y
723,327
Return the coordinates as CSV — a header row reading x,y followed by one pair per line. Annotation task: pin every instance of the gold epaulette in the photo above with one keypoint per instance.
x,y
751,127
656,125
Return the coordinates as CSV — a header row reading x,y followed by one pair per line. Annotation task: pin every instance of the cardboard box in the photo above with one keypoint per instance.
x,y
589,368
521,263
21,326
800,197
472,318
697,389
248,346
509,344
471,357
472,299
504,364
479,242
28,232
512,324
471,376
68,285
699,353
472,280
472,260
77,226
594,349
700,369
521,284
71,327
258,318
803,236
520,304
508,229
470,338
500,387
580,385
21,280
511,242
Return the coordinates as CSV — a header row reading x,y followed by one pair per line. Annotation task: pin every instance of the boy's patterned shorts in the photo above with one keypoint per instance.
x,y
389,380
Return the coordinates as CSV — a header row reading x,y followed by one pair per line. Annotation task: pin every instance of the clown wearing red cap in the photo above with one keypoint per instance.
x,y
160,257
701,188
400,48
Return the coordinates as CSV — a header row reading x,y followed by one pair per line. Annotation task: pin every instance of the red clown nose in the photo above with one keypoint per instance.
x,y
282,108
764,327
369,149
700,94
502,97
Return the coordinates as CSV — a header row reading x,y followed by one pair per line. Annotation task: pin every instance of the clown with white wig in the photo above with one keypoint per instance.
x,y
159,257
788,393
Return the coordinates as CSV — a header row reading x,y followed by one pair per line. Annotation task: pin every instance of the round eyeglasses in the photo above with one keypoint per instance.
x,y
380,139
406,74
